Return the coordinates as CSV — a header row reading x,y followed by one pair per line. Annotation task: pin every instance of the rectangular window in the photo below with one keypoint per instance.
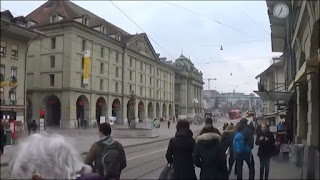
x,y
141,77
158,94
164,85
130,76
81,83
117,72
131,61
117,57
101,68
82,62
141,66
116,86
141,89
13,72
83,45
52,61
51,79
54,18
13,97
150,69
157,82
102,51
130,88
164,95
53,43
14,49
101,84
150,81
150,93
3,48
158,72
2,73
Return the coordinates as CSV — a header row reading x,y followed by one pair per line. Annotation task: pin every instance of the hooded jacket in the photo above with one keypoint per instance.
x,y
179,153
96,150
210,157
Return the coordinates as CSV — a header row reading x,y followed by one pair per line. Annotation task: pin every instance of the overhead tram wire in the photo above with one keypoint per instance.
x,y
218,22
140,28
226,61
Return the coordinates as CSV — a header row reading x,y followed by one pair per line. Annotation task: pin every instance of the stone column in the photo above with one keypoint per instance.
x,y
313,109
68,111
136,110
109,106
302,110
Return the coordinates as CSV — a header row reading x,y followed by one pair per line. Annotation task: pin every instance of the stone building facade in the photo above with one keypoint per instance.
x,y
297,37
15,36
119,64
188,88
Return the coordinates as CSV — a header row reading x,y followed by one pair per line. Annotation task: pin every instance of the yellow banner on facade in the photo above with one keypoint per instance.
x,y
86,66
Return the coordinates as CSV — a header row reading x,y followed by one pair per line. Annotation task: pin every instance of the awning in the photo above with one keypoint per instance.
x,y
274,96
275,114
12,107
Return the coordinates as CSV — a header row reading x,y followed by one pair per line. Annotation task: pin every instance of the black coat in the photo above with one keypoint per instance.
x,y
179,154
247,133
265,146
209,155
227,140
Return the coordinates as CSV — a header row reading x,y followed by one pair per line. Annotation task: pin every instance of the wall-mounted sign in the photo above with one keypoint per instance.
x,y
81,103
86,66
42,112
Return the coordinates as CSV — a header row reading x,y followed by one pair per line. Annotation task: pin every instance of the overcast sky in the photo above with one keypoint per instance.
x,y
197,28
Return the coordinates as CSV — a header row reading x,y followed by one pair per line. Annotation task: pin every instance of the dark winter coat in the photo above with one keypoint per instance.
x,y
95,153
179,154
209,155
227,140
265,146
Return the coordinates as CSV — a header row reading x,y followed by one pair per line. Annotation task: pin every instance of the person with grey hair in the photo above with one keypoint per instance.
x,y
47,157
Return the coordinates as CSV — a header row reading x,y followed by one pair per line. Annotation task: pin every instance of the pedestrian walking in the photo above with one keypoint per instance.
x,y
265,141
180,150
43,156
3,138
169,124
226,141
242,145
107,155
209,155
32,126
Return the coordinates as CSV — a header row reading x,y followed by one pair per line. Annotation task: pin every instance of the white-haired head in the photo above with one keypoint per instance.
x,y
50,156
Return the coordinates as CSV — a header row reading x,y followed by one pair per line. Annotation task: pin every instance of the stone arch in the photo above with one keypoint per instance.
x,y
83,109
116,109
157,111
101,108
164,110
141,111
52,107
150,111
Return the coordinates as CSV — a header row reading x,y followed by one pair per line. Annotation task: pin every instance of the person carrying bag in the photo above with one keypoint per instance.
x,y
167,172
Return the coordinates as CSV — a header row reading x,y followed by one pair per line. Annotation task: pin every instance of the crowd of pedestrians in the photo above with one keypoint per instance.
x,y
43,156
209,150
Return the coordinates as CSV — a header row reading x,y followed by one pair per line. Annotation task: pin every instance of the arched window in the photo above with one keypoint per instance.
x,y
104,29
85,20
53,17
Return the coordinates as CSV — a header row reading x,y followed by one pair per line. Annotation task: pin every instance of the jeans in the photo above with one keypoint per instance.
x,y
264,167
248,157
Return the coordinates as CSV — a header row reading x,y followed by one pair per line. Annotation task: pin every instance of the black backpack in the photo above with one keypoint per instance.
x,y
109,161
